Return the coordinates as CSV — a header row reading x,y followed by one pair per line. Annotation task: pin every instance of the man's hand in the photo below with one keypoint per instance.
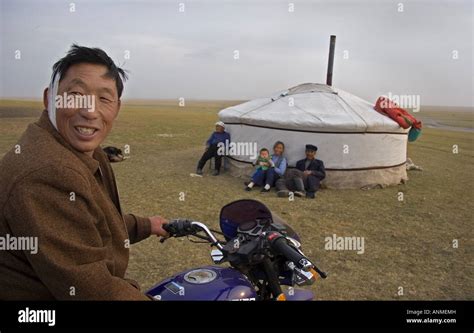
x,y
157,226
308,172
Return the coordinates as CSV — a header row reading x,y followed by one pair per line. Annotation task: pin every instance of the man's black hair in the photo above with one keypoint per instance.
x,y
265,149
81,54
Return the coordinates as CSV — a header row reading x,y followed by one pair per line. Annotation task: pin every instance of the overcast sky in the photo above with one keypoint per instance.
x,y
399,47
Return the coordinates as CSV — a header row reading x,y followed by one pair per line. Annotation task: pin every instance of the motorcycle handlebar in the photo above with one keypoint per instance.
x,y
280,245
179,228
184,227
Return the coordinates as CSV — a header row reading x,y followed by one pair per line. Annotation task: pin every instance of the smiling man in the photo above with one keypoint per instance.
x,y
58,187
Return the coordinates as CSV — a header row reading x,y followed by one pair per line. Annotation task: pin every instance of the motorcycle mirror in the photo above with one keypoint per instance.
x,y
217,256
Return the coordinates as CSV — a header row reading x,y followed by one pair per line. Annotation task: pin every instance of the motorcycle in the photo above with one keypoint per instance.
x,y
263,251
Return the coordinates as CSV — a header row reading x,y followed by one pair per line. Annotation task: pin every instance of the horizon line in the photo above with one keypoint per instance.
x,y
31,99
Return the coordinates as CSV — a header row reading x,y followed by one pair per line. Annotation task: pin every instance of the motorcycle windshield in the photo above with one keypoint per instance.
x,y
245,213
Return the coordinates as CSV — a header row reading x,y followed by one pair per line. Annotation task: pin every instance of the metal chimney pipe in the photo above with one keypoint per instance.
x,y
332,46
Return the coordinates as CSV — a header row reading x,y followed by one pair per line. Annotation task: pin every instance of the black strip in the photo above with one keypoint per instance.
x,y
332,169
307,131
386,316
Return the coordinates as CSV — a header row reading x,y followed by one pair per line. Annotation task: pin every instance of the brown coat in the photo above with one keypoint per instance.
x,y
82,243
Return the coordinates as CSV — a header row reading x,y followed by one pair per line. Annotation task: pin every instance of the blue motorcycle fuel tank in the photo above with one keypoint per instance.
x,y
208,283
212,283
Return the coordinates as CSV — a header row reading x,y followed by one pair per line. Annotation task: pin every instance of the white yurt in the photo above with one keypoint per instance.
x,y
359,146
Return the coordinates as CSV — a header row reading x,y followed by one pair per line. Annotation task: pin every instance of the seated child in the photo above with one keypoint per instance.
x,y
263,163
263,160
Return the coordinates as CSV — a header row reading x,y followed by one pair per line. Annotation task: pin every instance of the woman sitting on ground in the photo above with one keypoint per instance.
x,y
268,169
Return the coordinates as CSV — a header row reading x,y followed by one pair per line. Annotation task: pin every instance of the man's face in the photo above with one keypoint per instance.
x,y
82,128
219,129
310,154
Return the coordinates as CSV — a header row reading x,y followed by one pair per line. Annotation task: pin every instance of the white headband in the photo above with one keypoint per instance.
x,y
52,92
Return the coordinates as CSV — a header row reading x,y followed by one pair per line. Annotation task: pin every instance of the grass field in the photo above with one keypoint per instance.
x,y
408,244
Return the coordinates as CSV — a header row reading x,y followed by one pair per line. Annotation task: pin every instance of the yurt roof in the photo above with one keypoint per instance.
x,y
311,107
